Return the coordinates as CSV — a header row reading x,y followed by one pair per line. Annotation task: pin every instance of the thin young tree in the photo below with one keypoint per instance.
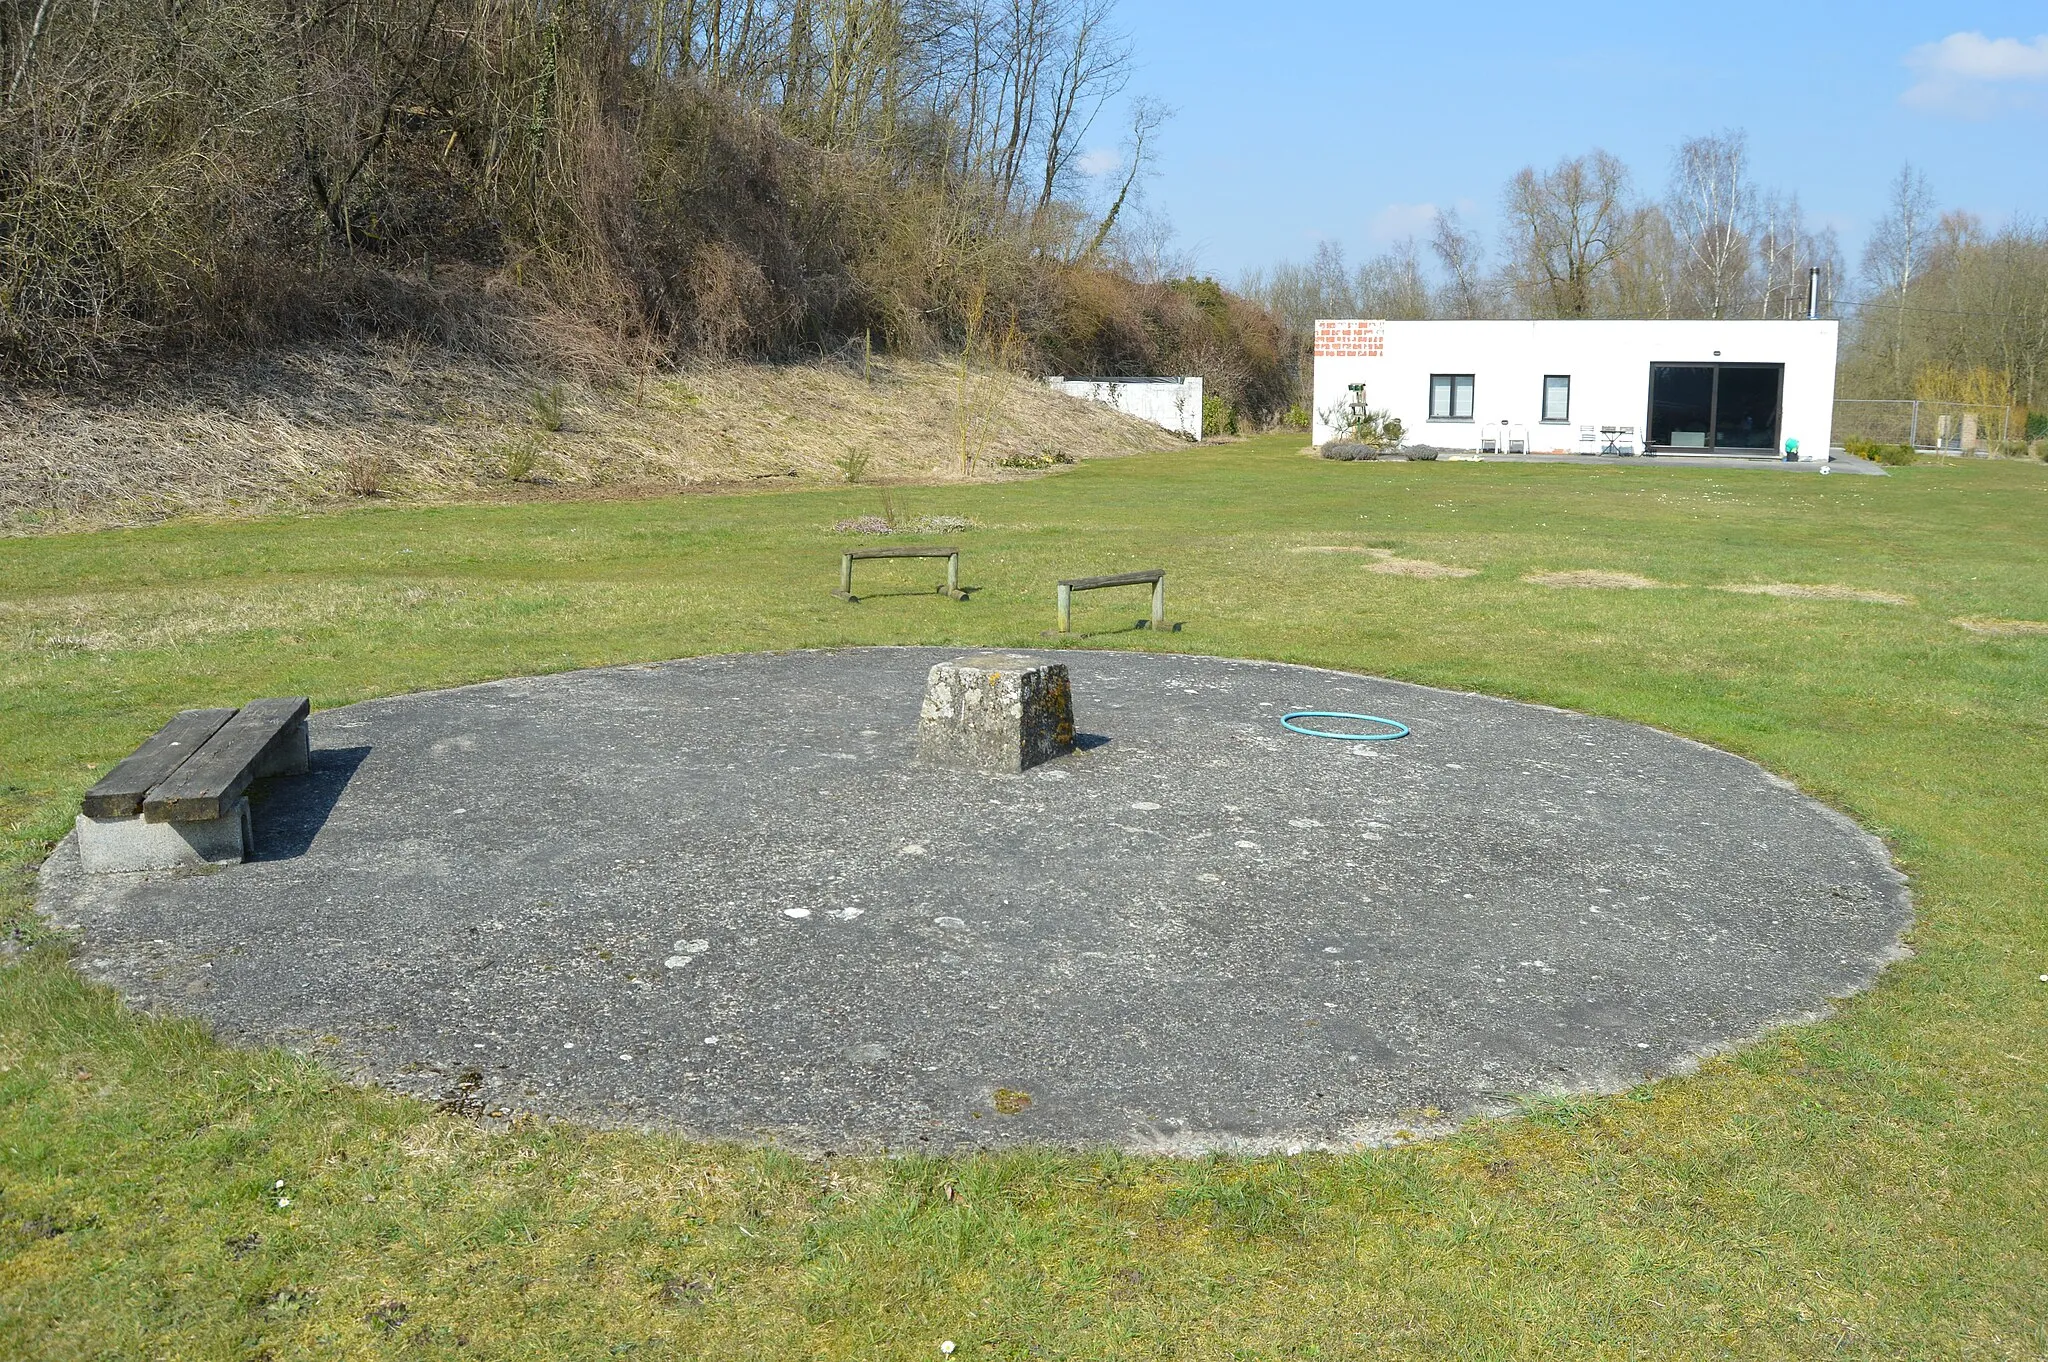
x,y
1461,254
1897,255
1711,204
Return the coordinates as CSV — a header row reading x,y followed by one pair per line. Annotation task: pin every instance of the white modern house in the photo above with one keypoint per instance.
x,y
1175,403
1753,389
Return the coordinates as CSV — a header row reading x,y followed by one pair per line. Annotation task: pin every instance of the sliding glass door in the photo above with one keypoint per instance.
x,y
1715,406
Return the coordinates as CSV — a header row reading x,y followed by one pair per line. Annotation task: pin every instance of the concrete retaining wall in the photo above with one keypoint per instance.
x,y
1175,403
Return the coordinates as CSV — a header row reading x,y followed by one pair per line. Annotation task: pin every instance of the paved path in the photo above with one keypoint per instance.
x,y
718,895
1838,462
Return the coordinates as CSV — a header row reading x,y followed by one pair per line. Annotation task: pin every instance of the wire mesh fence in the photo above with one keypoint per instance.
x,y
1934,427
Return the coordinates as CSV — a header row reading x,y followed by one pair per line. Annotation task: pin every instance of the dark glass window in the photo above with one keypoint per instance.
x,y
1557,397
1746,409
1450,397
1715,406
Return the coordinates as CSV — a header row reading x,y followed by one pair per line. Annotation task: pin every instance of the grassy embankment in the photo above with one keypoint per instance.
x,y
312,425
1869,1186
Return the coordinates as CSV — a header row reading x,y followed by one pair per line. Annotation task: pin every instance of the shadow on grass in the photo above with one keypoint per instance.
x,y
1142,626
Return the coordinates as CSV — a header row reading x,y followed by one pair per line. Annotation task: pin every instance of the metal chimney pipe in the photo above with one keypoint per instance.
x,y
1813,293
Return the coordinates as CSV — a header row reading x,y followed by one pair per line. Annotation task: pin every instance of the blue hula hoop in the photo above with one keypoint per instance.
x,y
1287,722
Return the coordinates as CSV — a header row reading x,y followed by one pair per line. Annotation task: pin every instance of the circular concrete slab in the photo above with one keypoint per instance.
x,y
719,895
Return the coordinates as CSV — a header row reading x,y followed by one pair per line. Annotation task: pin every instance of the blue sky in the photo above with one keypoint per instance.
x,y
1299,120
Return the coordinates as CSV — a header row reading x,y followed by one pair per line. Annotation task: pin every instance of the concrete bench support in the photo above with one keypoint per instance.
x,y
951,586
112,845
1155,577
1002,712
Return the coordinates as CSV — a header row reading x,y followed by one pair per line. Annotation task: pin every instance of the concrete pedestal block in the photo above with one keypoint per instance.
x,y
292,757
127,844
996,712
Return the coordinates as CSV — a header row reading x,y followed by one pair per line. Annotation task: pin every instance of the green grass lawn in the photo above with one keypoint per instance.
x,y
1871,1186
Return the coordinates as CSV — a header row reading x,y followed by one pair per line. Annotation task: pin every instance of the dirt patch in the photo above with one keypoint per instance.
x,y
1419,567
1979,624
1817,591
1598,579
1391,563
297,426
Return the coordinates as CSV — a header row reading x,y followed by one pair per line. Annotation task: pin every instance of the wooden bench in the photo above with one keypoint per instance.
x,y
180,799
951,586
1153,577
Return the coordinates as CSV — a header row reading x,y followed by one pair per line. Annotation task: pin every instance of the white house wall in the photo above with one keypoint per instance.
x,y
1608,362
1175,403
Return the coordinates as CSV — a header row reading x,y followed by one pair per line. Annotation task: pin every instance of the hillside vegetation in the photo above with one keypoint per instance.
x,y
596,183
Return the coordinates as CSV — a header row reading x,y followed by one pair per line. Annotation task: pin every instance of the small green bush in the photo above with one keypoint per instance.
x,y
1894,455
1350,451
1219,417
2037,425
547,407
853,464
1379,429
516,459
1045,456
1297,418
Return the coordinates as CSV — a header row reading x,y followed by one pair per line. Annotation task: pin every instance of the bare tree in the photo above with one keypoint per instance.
x,y
1301,295
1644,277
1094,68
1780,243
1566,229
1466,292
1898,253
1391,284
1711,204
1148,116
1142,248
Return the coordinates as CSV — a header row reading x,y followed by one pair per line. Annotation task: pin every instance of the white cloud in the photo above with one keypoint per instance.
x,y
1973,76
1099,162
1398,220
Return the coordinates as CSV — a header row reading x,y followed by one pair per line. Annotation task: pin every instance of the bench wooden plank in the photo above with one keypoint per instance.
x,y
1152,577
119,793
260,740
1149,576
951,587
926,551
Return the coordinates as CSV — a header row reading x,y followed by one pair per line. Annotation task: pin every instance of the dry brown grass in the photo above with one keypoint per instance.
x,y
1392,564
1599,579
300,426
1817,591
1984,624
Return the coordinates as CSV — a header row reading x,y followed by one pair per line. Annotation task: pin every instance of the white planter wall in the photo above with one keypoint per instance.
x,y
1608,361
1175,403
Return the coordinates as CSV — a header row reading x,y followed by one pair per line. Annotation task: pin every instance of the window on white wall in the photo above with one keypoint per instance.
x,y
1450,397
1557,397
